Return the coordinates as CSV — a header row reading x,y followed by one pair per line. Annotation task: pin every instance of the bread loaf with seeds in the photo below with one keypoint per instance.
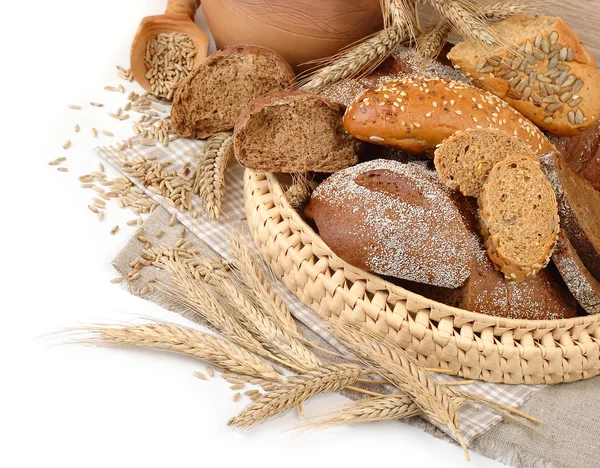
x,y
579,208
416,114
214,94
582,284
393,219
549,75
294,131
519,217
464,160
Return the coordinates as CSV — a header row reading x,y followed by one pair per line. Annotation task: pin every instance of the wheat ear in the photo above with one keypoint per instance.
x,y
209,180
503,10
295,391
260,288
361,58
183,340
271,335
384,408
466,23
298,193
199,300
404,372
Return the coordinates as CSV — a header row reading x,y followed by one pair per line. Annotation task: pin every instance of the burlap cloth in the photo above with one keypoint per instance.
x,y
571,413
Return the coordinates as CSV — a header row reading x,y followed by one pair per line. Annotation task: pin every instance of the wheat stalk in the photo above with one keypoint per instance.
x,y
383,408
200,268
467,24
260,288
183,340
363,57
209,180
296,390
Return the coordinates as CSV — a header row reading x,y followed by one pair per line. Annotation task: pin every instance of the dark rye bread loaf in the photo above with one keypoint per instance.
x,y
393,219
417,114
582,152
213,95
518,217
465,159
582,284
294,131
579,208
542,297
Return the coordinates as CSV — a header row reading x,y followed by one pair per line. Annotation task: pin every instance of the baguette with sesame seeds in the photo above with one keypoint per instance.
x,y
417,114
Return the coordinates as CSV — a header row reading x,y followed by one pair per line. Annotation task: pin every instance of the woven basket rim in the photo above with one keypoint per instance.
x,y
501,322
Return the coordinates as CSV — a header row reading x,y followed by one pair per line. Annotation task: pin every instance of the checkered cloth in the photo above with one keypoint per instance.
x,y
474,421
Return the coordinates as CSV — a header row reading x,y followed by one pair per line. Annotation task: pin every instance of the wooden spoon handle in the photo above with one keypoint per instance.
x,y
183,7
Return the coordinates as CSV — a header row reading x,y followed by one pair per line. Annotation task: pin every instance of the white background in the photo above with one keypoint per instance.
x,y
74,406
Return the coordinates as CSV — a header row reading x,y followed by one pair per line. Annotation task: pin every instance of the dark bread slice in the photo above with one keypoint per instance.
x,y
464,160
579,208
582,153
518,217
578,279
212,97
393,219
294,131
486,291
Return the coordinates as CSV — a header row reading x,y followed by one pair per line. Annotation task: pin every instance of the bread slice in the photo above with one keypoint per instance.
x,y
212,97
547,74
486,290
582,284
579,208
464,160
518,217
294,131
393,219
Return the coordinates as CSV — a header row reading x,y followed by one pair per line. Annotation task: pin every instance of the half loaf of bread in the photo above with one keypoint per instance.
x,y
214,94
393,219
518,217
294,131
464,160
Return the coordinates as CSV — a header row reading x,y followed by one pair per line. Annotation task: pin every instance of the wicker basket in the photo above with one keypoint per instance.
x,y
473,345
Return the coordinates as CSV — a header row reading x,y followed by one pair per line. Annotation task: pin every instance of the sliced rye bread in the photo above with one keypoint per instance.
x,y
582,284
486,290
579,208
212,97
294,131
393,219
464,160
518,217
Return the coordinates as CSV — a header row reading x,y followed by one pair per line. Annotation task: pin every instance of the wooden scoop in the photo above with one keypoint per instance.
x,y
178,18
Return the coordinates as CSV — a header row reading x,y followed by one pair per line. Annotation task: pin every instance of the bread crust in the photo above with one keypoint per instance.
x,y
416,114
582,284
289,98
585,241
488,72
180,112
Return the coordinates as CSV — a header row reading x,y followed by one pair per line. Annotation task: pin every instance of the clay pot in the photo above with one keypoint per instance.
x,y
300,30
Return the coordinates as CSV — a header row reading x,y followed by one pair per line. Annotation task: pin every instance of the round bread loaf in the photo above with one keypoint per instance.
x,y
464,160
416,114
214,94
518,217
550,77
393,219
